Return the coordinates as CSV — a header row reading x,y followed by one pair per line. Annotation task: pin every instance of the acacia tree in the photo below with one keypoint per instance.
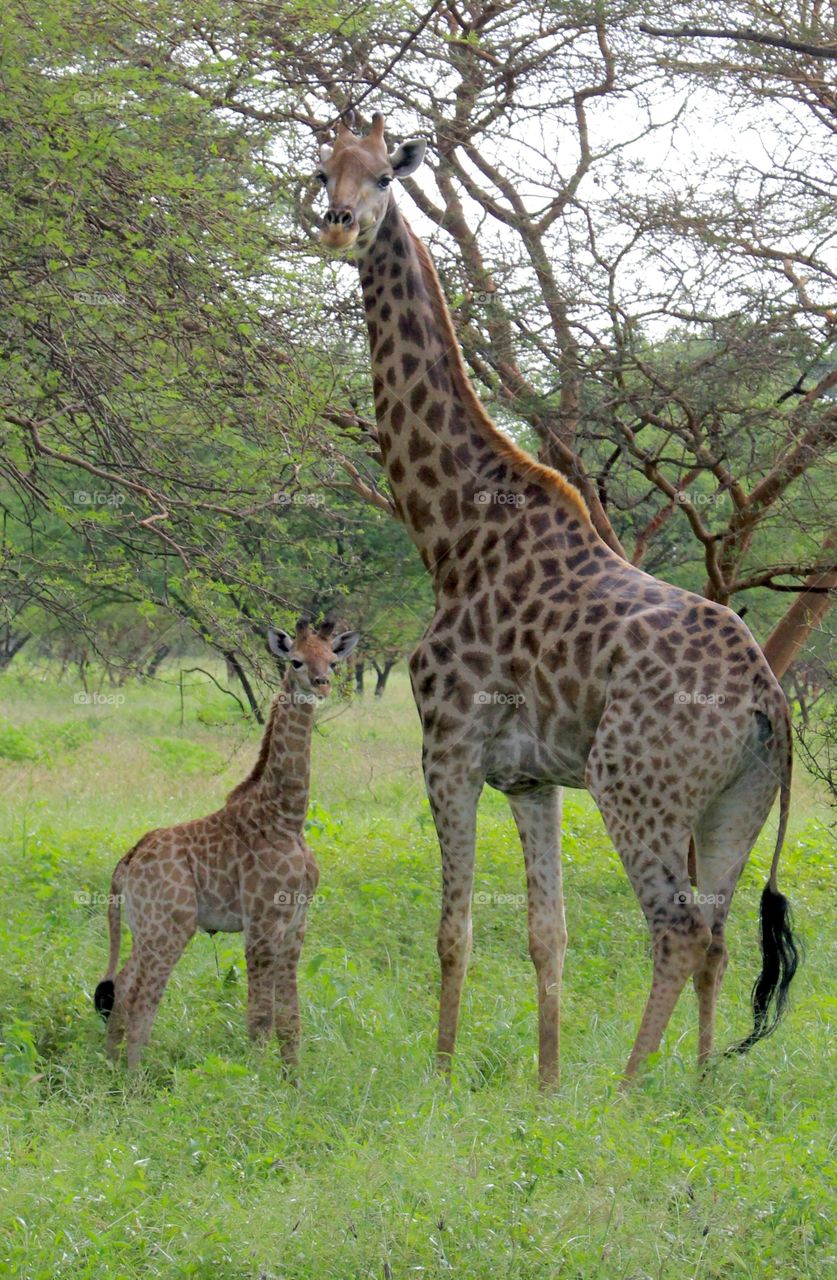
x,y
634,241
157,399
667,331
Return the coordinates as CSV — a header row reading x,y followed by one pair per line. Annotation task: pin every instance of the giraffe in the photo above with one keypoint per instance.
x,y
552,662
244,868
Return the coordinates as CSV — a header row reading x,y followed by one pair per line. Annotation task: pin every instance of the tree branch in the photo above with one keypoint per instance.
x,y
744,35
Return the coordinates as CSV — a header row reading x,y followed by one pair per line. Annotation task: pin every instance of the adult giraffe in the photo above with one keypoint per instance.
x,y
552,662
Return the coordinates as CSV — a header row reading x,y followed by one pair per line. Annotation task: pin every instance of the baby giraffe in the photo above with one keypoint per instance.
x,y
244,868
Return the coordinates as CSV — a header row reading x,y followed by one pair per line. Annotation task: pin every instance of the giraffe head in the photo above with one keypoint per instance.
x,y
311,654
357,173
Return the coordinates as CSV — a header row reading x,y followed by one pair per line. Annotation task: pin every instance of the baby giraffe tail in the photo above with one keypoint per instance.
x,y
103,996
779,948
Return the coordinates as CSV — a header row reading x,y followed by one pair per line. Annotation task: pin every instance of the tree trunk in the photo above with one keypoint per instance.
x,y
382,674
798,691
162,651
806,613
234,665
10,646
360,667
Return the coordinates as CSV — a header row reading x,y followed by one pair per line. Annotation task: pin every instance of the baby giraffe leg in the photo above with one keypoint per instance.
x,y
125,990
154,968
286,994
260,949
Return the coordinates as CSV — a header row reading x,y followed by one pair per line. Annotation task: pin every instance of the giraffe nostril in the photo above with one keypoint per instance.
x,y
341,217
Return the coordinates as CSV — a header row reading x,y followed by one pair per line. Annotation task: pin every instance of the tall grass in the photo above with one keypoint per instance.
x,y
209,1164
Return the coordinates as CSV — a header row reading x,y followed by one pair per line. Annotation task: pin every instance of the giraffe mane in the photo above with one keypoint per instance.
x,y
518,458
261,761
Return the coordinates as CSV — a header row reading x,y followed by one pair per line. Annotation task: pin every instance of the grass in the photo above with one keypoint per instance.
x,y
208,1164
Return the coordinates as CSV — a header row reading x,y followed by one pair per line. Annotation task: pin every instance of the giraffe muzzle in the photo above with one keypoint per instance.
x,y
340,228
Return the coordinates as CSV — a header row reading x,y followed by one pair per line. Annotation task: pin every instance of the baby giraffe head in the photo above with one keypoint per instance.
x,y
357,173
311,654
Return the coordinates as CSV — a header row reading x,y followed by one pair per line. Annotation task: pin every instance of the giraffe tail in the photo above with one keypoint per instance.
x,y
779,948
103,996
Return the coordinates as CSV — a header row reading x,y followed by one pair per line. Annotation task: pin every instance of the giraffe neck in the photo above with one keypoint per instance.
x,y
451,470
285,776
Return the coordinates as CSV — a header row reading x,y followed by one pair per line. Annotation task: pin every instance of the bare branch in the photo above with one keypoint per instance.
x,y
743,35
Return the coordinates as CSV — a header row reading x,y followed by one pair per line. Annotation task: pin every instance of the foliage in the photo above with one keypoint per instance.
x,y
159,401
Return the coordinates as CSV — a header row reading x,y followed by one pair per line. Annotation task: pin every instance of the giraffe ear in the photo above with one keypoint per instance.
x,y
408,157
342,645
325,153
279,642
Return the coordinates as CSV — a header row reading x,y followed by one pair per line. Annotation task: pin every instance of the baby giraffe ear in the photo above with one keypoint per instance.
x,y
279,642
342,645
408,157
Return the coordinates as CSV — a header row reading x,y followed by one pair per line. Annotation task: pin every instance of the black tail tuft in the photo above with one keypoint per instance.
x,y
103,998
780,960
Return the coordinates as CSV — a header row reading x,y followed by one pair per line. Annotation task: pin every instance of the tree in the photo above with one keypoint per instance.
x,y
158,405
633,231
667,333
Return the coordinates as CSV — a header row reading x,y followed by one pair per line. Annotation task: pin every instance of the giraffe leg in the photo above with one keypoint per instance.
x,y
155,963
724,836
655,855
124,991
679,948
262,945
286,996
707,979
453,795
538,819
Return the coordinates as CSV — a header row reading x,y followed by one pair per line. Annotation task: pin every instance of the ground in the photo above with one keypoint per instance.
x,y
209,1164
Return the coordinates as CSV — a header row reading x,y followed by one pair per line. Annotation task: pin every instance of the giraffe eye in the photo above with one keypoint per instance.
x,y
384,181
297,663
321,177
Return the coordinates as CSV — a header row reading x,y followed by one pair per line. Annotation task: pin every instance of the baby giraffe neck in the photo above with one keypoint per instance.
x,y
284,784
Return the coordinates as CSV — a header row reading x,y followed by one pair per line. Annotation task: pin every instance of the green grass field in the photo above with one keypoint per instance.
x,y
207,1163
